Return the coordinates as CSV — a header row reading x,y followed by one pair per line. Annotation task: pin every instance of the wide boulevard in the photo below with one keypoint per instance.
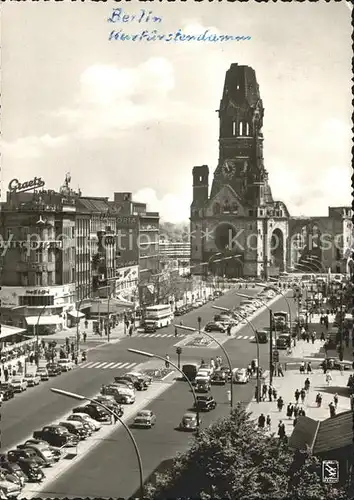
x,y
110,470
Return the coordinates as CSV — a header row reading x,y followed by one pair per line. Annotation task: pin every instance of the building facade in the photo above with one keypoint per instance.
x,y
59,250
236,227
175,255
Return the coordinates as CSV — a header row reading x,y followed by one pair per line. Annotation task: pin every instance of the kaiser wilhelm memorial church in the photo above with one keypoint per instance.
x,y
237,228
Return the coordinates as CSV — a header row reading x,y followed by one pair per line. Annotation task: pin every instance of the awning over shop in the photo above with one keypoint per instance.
x,y
76,314
111,306
44,320
7,331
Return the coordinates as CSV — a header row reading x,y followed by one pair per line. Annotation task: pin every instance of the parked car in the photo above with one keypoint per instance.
x,y
189,422
54,369
14,469
179,312
109,403
141,376
150,327
66,364
32,470
240,376
120,380
56,435
32,379
32,443
94,412
138,382
214,327
9,488
43,373
336,364
121,394
145,418
85,419
6,475
46,455
205,403
75,428
19,384
26,453
7,391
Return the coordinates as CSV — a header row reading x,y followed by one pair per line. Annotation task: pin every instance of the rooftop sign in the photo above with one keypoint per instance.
x,y
15,186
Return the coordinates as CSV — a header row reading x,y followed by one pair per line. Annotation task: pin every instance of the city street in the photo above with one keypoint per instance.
x,y
111,470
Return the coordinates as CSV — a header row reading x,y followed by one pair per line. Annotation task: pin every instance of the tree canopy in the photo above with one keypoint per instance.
x,y
232,459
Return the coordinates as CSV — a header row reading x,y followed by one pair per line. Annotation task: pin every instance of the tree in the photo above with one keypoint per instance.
x,y
233,460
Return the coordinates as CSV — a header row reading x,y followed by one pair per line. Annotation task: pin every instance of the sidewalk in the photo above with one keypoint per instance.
x,y
293,380
116,334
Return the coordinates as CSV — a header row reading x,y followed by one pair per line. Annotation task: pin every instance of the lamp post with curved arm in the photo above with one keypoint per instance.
x,y
38,320
182,327
257,342
80,397
153,355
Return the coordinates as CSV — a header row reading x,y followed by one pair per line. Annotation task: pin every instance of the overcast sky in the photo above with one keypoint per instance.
x,y
137,116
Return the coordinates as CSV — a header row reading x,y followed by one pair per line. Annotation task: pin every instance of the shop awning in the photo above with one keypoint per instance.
x,y
76,314
44,320
111,306
7,331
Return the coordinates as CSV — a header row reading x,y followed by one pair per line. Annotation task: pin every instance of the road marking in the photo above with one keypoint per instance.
x,y
131,365
165,335
252,338
109,365
100,365
157,335
239,337
91,365
116,365
123,365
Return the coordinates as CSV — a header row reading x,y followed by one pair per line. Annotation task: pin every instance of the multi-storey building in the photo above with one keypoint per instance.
x,y
238,229
175,254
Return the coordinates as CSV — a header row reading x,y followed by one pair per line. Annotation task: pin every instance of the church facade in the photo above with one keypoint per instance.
x,y
237,229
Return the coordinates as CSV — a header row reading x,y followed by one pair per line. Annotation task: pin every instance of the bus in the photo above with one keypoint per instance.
x,y
157,317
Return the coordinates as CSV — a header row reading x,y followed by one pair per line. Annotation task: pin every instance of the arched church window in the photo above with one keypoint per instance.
x,y
233,128
216,208
241,128
247,132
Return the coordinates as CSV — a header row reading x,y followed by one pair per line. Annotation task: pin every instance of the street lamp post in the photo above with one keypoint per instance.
x,y
182,327
115,415
153,355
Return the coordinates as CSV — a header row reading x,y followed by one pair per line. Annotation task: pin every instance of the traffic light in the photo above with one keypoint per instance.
x,y
275,356
179,351
199,319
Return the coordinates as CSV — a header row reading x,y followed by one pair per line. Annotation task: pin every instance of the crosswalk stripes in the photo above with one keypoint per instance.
x,y
108,365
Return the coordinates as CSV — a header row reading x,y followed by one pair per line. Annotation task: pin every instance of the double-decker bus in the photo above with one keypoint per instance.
x,y
157,317
281,320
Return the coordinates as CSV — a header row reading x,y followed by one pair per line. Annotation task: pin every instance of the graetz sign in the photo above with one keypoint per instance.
x,y
15,186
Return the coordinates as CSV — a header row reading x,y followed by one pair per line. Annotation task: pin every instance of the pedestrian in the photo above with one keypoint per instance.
x,y
302,395
270,393
281,430
229,330
264,391
332,410
131,330
212,364
6,374
294,422
269,423
86,324
167,362
84,335
261,421
296,410
289,411
322,336
176,331
319,400
274,393
328,378
309,368
302,367
297,395
335,400
307,385
280,370
280,403
272,368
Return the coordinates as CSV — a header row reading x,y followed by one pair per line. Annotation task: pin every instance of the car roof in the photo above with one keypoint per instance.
x,y
203,396
144,412
189,415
